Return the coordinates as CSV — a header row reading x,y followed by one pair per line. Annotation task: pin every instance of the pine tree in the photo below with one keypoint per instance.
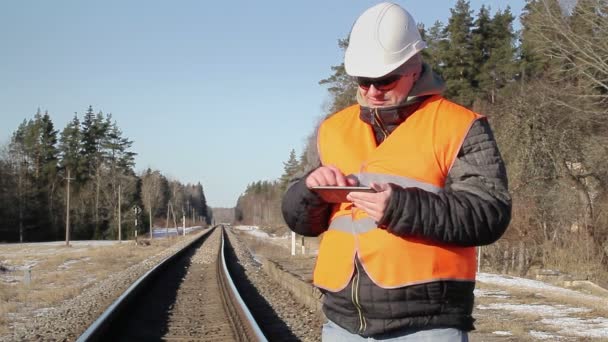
x,y
116,179
494,51
33,150
115,149
94,130
8,199
70,161
482,37
50,154
437,42
342,87
459,68
70,146
47,181
201,208
290,168
20,159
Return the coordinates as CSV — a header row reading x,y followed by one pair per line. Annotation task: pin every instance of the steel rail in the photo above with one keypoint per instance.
x,y
99,327
251,331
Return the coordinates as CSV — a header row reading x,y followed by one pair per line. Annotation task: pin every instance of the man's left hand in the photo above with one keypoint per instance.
x,y
372,203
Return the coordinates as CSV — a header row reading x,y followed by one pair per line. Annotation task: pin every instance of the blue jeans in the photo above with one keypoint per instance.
x,y
334,333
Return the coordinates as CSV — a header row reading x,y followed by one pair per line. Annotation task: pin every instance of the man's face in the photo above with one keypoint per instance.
x,y
387,90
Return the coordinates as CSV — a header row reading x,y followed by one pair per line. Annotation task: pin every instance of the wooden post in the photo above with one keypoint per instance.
x,y
150,213
67,212
27,276
168,213
119,223
293,243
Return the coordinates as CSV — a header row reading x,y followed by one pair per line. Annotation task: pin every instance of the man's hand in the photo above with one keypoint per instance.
x,y
373,203
328,176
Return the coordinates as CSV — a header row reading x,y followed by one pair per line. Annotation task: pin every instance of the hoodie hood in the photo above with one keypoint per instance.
x,y
385,119
429,83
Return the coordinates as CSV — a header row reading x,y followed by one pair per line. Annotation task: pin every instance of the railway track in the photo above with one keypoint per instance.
x,y
190,296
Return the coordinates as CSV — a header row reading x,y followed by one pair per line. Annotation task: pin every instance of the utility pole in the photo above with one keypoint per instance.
x,y
168,214
150,215
119,223
136,210
67,212
187,212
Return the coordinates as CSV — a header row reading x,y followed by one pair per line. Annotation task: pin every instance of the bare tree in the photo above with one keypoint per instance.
x,y
577,44
151,194
178,199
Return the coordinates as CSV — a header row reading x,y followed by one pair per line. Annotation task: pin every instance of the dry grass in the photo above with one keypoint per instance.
x,y
6,306
578,258
59,273
260,248
575,255
598,307
277,248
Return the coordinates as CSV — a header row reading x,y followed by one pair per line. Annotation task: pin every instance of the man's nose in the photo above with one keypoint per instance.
x,y
373,91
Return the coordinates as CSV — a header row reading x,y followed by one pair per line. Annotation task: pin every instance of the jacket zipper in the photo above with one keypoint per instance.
x,y
380,123
355,298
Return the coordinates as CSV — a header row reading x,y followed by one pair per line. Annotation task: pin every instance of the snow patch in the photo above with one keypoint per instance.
x,y
502,333
491,293
541,335
523,283
257,232
246,228
67,264
583,327
557,316
538,309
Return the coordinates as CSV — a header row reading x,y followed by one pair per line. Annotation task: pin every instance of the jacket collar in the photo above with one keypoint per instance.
x,y
428,84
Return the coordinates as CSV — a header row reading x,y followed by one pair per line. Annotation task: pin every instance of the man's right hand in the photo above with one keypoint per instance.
x,y
329,176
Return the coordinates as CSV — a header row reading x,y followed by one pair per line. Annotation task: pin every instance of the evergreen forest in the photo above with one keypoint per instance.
x,y
93,159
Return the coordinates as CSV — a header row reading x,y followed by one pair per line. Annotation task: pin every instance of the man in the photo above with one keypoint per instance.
x,y
400,263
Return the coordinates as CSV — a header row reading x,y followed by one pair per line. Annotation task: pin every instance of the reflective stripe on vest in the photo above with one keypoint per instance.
x,y
418,153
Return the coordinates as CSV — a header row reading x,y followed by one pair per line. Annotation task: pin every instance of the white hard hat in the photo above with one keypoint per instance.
x,y
384,37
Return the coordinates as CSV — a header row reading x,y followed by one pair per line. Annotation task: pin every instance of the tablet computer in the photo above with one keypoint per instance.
x,y
337,194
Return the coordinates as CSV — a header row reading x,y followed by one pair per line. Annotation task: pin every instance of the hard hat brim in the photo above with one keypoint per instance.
x,y
361,63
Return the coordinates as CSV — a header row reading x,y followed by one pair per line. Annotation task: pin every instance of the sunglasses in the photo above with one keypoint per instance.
x,y
382,84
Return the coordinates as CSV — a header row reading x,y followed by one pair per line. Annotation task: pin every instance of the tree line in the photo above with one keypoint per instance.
x,y
260,204
544,90
94,159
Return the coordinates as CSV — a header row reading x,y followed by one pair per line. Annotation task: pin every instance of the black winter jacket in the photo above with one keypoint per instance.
x,y
473,209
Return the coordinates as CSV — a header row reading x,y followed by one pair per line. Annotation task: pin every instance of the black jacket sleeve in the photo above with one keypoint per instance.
x,y
304,211
475,207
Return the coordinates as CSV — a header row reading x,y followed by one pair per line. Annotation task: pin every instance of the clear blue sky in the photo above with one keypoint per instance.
x,y
211,91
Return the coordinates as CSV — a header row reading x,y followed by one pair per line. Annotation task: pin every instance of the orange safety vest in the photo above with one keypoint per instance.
x,y
418,153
